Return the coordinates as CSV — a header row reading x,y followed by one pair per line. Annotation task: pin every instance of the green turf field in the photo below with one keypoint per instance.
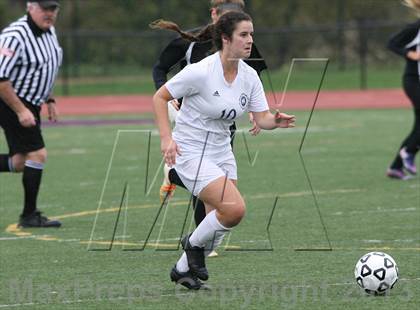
x,y
346,154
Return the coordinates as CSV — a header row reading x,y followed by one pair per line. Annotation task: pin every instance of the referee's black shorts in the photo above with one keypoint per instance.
x,y
21,140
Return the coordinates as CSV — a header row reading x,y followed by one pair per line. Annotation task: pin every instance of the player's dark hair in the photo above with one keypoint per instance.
x,y
226,25
206,33
203,35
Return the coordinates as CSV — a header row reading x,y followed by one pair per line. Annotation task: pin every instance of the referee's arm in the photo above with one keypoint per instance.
x,y
10,49
8,95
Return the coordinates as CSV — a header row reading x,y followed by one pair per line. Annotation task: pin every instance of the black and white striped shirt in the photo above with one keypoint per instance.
x,y
30,59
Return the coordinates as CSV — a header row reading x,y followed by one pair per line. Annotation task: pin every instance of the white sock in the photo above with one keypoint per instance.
x,y
208,234
208,231
182,264
214,243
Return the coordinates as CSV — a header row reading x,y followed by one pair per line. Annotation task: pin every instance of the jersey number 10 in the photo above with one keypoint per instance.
x,y
230,115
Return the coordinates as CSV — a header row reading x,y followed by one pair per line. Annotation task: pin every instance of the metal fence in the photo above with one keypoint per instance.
x,y
359,44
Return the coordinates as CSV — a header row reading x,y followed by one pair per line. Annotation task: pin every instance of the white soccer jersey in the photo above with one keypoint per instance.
x,y
210,104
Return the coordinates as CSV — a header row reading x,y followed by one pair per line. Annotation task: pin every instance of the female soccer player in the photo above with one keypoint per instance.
x,y
216,91
406,43
191,47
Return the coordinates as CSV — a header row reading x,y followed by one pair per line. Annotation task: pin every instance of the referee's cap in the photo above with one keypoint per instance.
x,y
46,4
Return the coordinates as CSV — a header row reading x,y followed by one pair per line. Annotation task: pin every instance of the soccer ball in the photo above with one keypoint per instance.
x,y
376,273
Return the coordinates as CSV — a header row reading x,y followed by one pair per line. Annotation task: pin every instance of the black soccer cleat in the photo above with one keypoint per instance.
x,y
196,260
36,219
186,279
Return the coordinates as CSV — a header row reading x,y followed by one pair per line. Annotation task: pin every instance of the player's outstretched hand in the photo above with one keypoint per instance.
x,y
284,120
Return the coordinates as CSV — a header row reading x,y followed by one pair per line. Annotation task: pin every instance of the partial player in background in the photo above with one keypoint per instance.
x,y
199,147
30,57
406,43
189,48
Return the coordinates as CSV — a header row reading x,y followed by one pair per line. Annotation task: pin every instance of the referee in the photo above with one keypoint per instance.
x,y
30,57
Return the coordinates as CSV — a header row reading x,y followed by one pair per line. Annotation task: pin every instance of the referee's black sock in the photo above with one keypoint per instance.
x,y
6,163
32,174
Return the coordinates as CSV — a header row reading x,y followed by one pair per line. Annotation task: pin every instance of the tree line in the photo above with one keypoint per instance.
x,y
100,32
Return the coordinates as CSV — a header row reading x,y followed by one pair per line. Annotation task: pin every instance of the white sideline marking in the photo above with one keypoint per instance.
x,y
378,210
18,238
155,132
383,241
156,243
303,193
24,235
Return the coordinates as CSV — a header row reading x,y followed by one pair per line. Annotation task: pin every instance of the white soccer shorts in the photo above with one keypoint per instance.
x,y
197,173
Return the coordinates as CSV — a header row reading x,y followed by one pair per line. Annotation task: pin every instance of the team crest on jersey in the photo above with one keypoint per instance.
x,y
243,100
6,52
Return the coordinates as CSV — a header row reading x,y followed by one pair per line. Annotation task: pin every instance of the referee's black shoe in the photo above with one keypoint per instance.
x,y
186,279
195,257
36,219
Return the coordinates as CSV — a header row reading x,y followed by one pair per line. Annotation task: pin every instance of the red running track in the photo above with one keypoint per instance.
x,y
302,100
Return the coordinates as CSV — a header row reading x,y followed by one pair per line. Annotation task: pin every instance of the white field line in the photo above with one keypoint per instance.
x,y
182,202
155,132
383,241
378,210
172,242
19,237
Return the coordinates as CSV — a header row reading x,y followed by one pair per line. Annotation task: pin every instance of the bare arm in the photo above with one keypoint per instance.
x,y
168,147
52,109
8,95
268,121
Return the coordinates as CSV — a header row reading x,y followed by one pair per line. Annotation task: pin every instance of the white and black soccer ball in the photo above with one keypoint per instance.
x,y
376,273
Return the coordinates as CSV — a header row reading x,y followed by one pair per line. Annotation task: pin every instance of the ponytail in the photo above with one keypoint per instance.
x,y
168,25
204,35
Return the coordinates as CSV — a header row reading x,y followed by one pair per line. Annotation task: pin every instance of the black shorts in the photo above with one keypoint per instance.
x,y
412,89
21,140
